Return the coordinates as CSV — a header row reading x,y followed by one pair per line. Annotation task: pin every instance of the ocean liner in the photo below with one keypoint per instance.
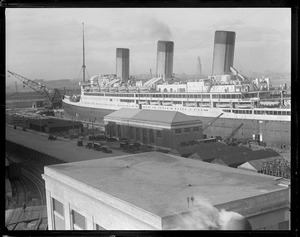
x,y
226,101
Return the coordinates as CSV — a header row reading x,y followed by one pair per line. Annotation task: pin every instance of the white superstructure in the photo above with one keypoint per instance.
x,y
236,99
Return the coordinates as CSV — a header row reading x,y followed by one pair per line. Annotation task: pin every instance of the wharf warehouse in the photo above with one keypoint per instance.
x,y
238,158
25,100
51,125
158,191
276,166
232,156
162,129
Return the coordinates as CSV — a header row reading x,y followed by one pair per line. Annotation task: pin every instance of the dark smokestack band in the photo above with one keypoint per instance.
x,y
164,63
165,46
225,37
124,53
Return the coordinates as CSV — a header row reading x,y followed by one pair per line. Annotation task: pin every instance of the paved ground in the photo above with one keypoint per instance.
x,y
63,149
30,219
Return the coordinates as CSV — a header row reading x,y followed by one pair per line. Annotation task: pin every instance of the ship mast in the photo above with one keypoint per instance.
x,y
83,65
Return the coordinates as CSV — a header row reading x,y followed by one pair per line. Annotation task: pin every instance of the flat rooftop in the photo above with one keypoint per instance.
x,y
160,183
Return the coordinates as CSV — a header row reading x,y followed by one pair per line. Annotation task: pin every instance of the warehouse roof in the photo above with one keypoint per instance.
x,y
210,151
257,164
237,158
49,122
152,116
160,183
163,116
123,113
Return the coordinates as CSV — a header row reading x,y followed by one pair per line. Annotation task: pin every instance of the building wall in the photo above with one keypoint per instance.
x,y
165,138
247,166
74,129
53,125
273,220
172,88
94,211
185,137
38,104
269,211
37,127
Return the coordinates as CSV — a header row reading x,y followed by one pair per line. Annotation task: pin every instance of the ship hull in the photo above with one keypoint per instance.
x,y
85,113
273,133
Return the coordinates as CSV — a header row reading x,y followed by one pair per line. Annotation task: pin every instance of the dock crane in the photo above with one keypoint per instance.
x,y
229,139
55,100
212,121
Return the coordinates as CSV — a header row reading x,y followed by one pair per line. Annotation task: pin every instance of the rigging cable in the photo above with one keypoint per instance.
x,y
87,72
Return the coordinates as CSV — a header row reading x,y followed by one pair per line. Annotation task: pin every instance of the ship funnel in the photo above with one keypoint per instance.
x,y
223,52
164,63
122,64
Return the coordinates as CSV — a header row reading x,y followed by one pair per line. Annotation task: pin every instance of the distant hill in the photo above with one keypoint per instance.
x,y
60,84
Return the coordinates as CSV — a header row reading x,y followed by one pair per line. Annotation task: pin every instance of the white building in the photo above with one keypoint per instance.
x,y
155,191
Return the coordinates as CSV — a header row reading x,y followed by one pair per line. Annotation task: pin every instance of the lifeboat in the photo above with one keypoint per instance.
x,y
204,105
224,105
243,106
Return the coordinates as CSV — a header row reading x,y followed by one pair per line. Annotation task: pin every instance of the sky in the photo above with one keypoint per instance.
x,y
47,43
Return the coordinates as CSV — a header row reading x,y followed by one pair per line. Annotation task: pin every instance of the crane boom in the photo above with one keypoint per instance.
x,y
212,121
227,139
37,87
